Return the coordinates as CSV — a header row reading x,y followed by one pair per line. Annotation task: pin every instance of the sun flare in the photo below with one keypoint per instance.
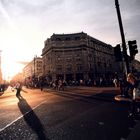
x,y
10,69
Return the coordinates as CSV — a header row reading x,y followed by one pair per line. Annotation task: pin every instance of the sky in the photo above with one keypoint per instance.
x,y
26,24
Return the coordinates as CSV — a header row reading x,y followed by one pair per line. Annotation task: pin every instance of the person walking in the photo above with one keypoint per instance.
x,y
41,84
18,88
133,86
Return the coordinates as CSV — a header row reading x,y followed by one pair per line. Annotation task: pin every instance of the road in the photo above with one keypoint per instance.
x,y
52,115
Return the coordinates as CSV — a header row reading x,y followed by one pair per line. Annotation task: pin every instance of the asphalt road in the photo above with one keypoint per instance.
x,y
53,115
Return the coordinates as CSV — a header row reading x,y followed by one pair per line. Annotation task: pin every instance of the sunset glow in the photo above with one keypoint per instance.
x,y
16,47
10,69
11,53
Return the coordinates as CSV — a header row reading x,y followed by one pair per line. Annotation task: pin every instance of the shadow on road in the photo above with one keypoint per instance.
x,y
31,118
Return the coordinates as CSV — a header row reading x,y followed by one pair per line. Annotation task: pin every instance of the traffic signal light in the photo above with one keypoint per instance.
x,y
118,53
132,49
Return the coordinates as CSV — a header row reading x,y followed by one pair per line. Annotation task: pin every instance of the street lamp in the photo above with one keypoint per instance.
x,y
34,75
34,64
122,37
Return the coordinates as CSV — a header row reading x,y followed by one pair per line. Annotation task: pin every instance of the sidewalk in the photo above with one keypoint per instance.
x,y
84,90
101,93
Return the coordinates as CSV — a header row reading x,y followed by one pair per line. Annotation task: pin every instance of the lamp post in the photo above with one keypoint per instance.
x,y
35,64
122,37
34,76
34,67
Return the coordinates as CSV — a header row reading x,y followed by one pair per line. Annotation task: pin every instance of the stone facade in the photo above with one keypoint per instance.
x,y
77,56
33,68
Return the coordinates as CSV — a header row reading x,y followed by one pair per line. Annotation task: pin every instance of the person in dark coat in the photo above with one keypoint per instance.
x,y
18,87
133,85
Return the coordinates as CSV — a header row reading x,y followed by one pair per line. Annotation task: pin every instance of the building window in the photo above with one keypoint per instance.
x,y
58,39
68,59
90,67
67,38
79,67
89,57
110,66
69,68
59,68
99,64
59,59
78,59
77,38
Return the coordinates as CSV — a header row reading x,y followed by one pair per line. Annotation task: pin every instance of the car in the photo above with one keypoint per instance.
x,y
3,87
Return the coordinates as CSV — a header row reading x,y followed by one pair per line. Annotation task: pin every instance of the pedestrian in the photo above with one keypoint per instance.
x,y
61,84
133,86
115,81
41,84
123,85
18,87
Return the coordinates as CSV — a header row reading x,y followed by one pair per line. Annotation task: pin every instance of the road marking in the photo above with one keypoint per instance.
x,y
21,116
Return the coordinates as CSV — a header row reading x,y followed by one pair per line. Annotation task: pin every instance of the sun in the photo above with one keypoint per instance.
x,y
10,68
12,51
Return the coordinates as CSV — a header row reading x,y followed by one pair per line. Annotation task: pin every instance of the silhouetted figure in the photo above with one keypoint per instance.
x,y
18,87
123,83
41,84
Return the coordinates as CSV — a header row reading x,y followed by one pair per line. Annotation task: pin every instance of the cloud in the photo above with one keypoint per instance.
x,y
30,7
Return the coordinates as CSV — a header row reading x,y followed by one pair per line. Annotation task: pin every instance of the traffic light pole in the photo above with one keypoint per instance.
x,y
123,38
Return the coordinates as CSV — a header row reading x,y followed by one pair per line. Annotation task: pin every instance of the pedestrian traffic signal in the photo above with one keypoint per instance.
x,y
118,53
132,49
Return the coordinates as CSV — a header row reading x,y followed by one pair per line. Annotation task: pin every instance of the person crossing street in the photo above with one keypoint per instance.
x,y
18,87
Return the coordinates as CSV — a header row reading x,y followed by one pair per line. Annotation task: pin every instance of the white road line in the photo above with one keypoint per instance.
x,y
21,116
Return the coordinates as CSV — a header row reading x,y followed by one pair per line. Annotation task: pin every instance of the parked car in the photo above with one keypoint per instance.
x,y
3,87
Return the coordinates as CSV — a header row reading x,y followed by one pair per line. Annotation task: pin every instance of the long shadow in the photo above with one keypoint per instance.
x,y
31,118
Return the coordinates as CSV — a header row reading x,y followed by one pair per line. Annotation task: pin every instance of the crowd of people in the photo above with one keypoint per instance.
x,y
59,82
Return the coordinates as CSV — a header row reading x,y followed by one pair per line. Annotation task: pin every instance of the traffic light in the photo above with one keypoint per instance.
x,y
118,53
132,49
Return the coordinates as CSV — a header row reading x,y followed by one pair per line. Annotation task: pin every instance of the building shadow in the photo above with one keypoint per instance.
x,y
31,118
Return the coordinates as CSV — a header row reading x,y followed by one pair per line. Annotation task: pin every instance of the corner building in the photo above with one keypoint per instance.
x,y
77,56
